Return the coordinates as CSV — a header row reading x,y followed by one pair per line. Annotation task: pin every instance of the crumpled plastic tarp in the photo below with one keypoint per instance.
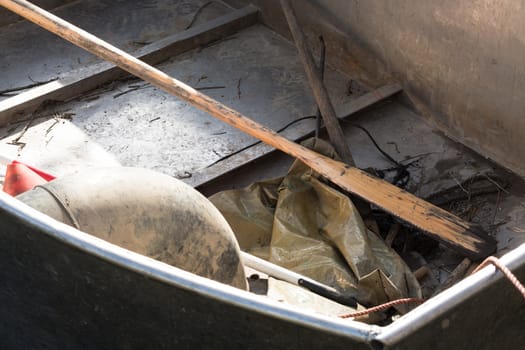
x,y
301,223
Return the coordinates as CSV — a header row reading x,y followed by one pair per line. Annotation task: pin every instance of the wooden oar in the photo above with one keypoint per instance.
x,y
447,228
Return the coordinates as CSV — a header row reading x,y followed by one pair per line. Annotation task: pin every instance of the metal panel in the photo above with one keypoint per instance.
x,y
62,288
484,311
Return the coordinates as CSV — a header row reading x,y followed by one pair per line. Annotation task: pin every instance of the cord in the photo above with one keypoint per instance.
x,y
382,307
197,13
490,260
258,142
505,270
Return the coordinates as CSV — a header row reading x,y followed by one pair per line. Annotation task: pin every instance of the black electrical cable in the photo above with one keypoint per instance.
x,y
321,72
402,174
258,142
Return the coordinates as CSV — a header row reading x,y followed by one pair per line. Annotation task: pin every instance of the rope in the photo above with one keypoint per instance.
x,y
383,307
504,269
490,260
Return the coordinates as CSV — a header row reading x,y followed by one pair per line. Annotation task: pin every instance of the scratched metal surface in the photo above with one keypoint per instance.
x,y
254,71
29,53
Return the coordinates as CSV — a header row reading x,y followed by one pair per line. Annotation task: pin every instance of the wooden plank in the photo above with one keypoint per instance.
x,y
298,132
85,79
335,132
464,237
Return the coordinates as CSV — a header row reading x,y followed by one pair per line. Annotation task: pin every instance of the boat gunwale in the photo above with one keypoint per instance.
x,y
179,278
445,302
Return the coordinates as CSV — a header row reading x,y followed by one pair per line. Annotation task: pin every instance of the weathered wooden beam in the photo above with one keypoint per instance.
x,y
298,132
335,132
85,79
464,237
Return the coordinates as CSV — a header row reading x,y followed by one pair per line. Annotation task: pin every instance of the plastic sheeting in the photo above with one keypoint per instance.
x,y
301,223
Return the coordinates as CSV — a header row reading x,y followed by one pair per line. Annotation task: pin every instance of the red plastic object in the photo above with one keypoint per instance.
x,y
20,178
43,174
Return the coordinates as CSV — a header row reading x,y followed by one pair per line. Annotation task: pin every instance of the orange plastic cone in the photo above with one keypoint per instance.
x,y
46,176
20,178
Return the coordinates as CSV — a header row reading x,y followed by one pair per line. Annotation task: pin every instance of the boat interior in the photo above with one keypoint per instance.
x,y
68,112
